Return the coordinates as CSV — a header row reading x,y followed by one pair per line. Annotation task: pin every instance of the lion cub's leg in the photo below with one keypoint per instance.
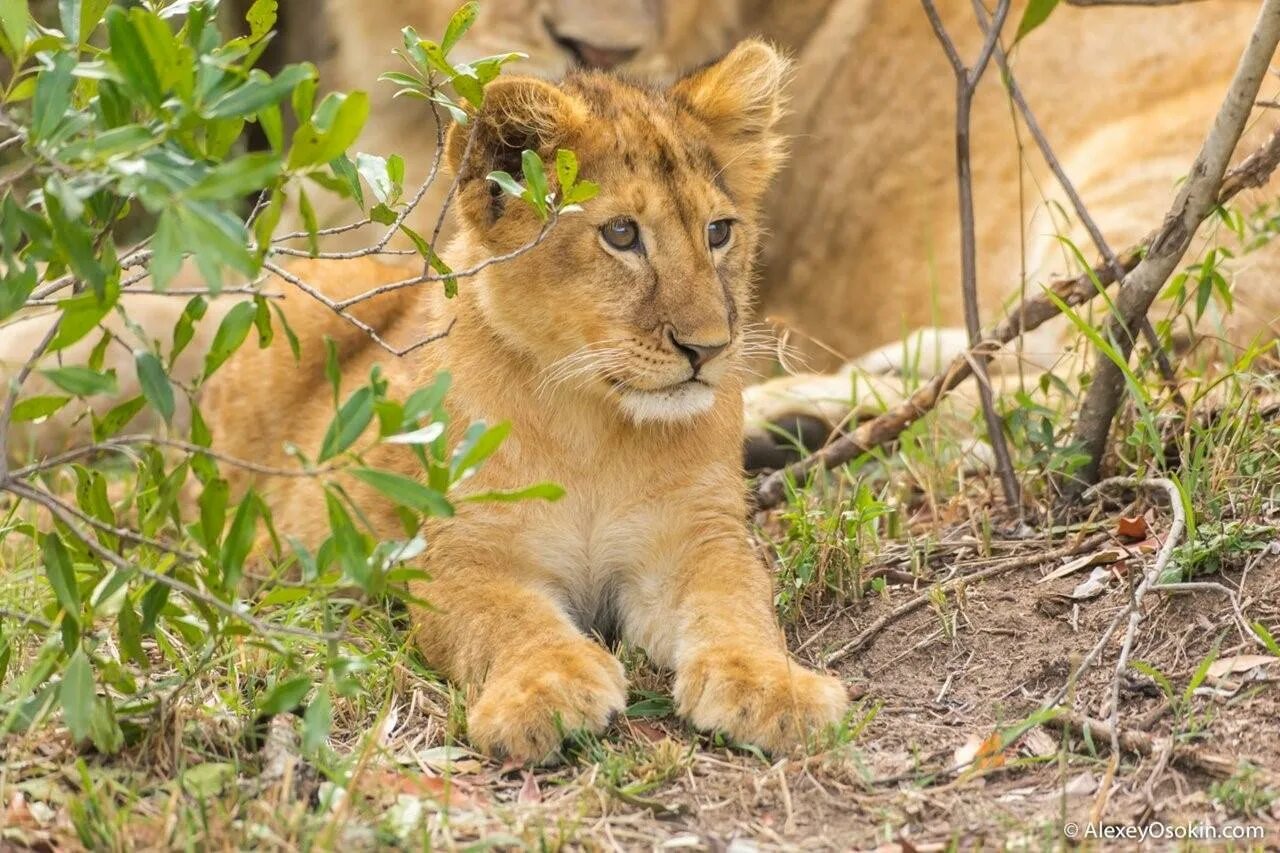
x,y
538,677
712,621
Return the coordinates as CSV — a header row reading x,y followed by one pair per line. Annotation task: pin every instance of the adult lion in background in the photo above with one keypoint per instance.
x,y
865,243
865,240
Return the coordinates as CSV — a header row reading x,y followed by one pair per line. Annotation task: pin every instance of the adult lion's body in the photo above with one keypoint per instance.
x,y
865,238
864,243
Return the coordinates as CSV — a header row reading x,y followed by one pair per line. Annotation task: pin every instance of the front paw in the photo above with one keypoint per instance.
x,y
527,706
758,697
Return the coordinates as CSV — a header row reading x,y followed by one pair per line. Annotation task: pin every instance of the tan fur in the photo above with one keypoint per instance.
x,y
865,243
650,539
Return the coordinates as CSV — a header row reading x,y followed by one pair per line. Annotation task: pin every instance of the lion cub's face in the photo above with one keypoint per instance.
x,y
640,297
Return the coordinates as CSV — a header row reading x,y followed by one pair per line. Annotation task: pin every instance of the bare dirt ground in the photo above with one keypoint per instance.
x,y
933,689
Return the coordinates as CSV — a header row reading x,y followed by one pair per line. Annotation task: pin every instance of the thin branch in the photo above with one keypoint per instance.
x,y
1022,561
967,80
1082,212
59,509
119,444
1254,171
15,388
1194,202
1150,579
350,318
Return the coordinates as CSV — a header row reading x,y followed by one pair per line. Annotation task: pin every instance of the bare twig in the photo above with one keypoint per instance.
x,y
1031,313
59,509
1150,579
1212,764
119,443
15,388
1082,212
1195,201
967,79
1022,561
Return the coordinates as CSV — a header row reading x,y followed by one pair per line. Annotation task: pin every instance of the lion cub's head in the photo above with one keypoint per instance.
x,y
640,297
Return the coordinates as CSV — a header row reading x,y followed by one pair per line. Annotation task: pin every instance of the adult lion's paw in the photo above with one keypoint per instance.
x,y
763,698
527,707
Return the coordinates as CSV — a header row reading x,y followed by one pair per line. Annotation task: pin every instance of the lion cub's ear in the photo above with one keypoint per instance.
x,y
741,99
519,113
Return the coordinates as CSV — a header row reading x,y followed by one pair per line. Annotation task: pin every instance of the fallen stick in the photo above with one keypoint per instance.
x,y
1031,313
1007,565
1140,743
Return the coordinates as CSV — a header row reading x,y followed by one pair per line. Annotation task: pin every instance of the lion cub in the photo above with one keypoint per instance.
x,y
614,349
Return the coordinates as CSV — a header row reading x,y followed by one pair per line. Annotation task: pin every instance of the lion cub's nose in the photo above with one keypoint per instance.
x,y
698,354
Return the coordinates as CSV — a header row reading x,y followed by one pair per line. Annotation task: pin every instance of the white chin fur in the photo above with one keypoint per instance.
x,y
669,405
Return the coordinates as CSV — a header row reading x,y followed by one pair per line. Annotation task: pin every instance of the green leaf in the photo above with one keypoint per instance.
x,y
35,408
316,723
166,250
208,780
53,97
348,424
458,25
154,382
81,381
261,17
1036,13
80,315
62,577
405,491
536,178
114,421
69,18
77,695
213,513
231,333
239,540
239,177
436,263
374,170
14,19
478,444
129,55
313,146
285,696
509,185
539,491
262,322
582,191
71,236
348,544
566,169
90,16
259,91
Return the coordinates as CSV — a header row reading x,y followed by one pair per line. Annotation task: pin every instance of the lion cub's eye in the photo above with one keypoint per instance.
x,y
718,232
621,233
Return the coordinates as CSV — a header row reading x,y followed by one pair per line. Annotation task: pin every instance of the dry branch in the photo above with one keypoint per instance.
x,y
1031,313
967,79
1211,764
1149,580
1022,561
1195,201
